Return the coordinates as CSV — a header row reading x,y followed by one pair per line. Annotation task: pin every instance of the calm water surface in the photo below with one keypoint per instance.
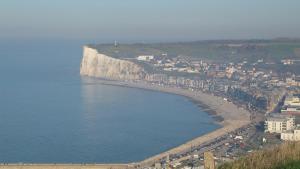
x,y
49,114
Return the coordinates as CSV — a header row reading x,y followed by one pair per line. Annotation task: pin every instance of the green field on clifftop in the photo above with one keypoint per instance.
x,y
229,50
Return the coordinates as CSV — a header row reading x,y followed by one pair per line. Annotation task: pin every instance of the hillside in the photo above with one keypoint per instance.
x,y
286,156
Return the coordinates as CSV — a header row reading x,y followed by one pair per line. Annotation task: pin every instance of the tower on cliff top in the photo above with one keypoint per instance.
x,y
116,47
116,44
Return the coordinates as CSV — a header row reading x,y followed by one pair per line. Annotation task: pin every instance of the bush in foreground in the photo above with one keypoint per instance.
x,y
285,156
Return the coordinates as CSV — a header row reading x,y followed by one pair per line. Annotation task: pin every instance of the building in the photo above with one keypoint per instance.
x,y
291,110
292,82
287,61
291,105
279,123
291,135
292,101
145,57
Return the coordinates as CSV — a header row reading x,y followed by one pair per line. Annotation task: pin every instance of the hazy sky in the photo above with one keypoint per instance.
x,y
149,20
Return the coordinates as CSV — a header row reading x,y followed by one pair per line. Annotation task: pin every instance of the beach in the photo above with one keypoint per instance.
x,y
232,117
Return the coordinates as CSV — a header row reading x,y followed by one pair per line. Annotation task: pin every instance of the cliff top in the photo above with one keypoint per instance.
x,y
222,50
126,50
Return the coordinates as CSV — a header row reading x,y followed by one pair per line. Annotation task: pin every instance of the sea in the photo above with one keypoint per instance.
x,y
50,114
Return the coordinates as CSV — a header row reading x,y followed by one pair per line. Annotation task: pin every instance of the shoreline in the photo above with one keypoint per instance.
x,y
224,113
204,107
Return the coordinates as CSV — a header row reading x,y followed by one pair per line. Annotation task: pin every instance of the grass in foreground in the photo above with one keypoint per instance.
x,y
286,156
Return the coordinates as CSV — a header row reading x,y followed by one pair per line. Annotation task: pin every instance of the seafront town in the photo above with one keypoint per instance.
x,y
240,95
272,100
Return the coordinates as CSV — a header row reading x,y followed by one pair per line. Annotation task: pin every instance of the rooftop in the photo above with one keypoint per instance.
x,y
279,117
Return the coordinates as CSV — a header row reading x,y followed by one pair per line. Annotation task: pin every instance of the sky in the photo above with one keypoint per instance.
x,y
149,20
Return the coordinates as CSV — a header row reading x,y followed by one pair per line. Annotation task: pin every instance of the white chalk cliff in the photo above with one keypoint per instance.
x,y
95,64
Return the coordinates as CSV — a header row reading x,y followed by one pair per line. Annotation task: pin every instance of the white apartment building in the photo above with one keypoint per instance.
x,y
291,135
279,123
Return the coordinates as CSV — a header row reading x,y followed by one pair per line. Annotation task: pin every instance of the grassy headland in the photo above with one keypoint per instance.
x,y
221,50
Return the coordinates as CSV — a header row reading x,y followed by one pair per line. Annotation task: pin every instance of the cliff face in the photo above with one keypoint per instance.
x,y
95,64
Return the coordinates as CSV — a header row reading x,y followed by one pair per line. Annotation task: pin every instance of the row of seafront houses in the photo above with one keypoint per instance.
x,y
284,123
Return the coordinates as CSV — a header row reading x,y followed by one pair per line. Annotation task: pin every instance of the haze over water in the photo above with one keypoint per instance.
x,y
49,114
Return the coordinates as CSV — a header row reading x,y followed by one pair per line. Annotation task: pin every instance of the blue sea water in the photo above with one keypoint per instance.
x,y
49,114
